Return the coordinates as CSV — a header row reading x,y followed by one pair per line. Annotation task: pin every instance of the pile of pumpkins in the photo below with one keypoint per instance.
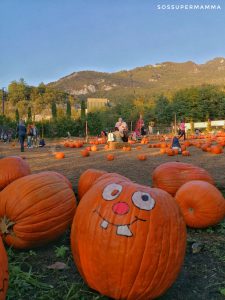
x,y
128,240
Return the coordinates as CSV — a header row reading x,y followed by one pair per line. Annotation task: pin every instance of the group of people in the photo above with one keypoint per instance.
x,y
120,132
31,132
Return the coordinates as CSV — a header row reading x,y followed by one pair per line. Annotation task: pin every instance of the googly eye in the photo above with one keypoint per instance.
x,y
111,191
143,200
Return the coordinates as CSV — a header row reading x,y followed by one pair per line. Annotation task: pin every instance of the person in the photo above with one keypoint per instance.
x,y
110,137
29,136
150,127
119,123
133,136
197,132
176,144
139,128
35,135
182,130
118,135
21,131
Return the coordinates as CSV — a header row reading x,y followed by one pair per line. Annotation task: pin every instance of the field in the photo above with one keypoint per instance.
x,y
203,272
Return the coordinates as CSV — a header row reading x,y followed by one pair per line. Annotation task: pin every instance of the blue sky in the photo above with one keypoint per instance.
x,y
44,40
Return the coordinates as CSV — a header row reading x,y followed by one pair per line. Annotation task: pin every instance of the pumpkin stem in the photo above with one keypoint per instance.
x,y
6,225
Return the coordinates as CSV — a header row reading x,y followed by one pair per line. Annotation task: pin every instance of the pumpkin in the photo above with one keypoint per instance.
x,y
12,168
172,175
185,153
216,149
87,179
36,209
163,150
176,151
142,157
110,157
170,152
85,153
201,203
94,148
106,147
138,148
128,240
59,155
4,276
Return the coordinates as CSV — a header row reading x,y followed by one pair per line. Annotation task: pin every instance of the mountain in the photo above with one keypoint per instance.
x,y
149,80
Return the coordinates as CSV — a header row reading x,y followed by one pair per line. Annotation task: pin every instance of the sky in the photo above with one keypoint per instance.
x,y
44,40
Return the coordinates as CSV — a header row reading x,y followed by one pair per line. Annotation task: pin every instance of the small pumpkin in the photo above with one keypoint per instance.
x,y
85,153
142,157
170,152
12,168
4,275
94,148
110,157
36,209
186,153
172,175
59,155
201,203
216,149
117,236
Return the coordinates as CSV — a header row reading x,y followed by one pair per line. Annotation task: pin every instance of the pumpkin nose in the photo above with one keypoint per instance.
x,y
120,208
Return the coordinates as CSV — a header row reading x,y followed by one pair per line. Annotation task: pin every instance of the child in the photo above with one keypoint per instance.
x,y
176,144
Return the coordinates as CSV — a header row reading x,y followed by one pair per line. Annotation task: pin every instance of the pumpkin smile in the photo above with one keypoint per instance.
x,y
122,229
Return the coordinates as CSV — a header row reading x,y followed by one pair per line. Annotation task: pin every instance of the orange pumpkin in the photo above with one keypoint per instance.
x,y
12,168
110,157
59,155
163,150
142,157
85,153
117,236
216,149
185,153
36,209
87,179
94,148
201,203
170,152
172,175
4,276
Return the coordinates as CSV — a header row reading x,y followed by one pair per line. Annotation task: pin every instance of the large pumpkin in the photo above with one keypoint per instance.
x,y
172,175
36,209
12,168
87,179
201,203
128,240
4,276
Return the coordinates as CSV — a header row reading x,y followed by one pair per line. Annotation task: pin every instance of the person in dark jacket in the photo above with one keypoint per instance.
x,y
21,131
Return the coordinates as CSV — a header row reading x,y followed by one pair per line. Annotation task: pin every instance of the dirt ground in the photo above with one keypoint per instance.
x,y
203,273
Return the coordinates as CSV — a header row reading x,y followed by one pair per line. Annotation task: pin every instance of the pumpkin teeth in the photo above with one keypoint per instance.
x,y
124,230
104,224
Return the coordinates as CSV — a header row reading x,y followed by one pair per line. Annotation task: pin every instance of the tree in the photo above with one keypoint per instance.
x,y
162,111
54,111
68,109
29,115
17,115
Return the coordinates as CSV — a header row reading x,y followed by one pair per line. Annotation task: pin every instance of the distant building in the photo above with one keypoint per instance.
x,y
96,103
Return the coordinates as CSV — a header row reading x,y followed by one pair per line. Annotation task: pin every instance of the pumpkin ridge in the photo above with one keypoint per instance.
x,y
176,252
32,205
142,258
43,211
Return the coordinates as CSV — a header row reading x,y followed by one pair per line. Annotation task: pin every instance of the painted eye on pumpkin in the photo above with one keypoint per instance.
x,y
111,191
143,200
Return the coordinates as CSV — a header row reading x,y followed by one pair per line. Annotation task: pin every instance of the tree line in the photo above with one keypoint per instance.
x,y
194,104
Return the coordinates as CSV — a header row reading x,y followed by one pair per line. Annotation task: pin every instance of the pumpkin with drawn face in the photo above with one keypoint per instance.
x,y
128,240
